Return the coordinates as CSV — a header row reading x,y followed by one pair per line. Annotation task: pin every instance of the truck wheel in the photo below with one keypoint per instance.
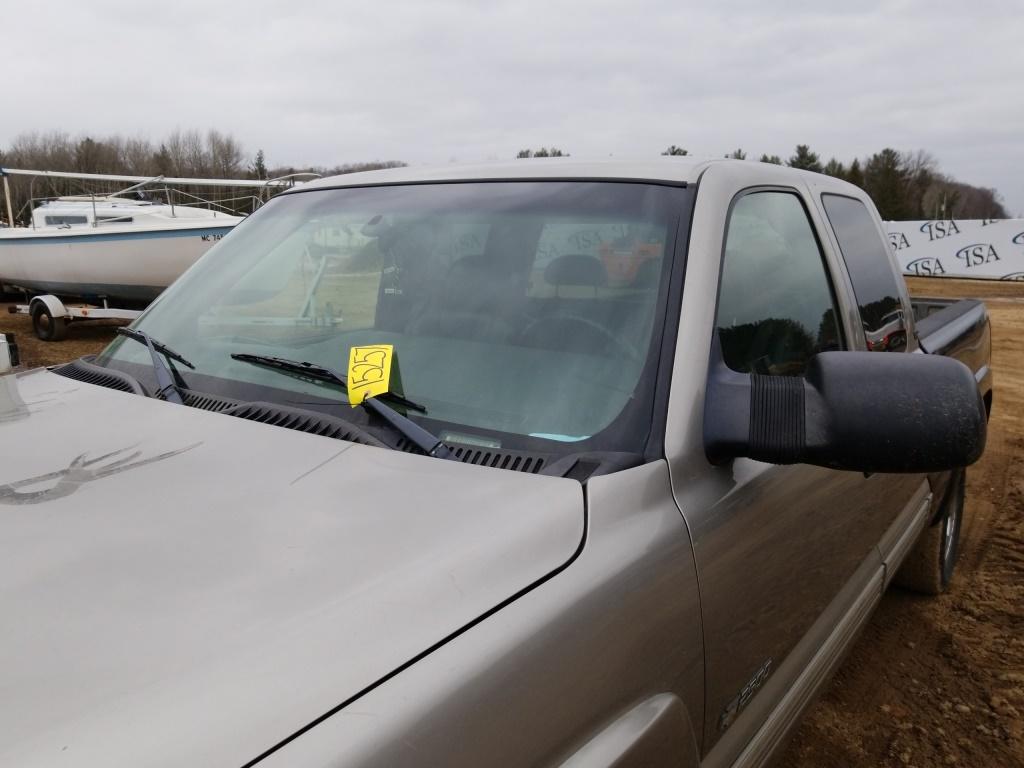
x,y
46,326
928,568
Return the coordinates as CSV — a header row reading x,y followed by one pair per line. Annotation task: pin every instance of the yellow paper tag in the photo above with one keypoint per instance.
x,y
369,372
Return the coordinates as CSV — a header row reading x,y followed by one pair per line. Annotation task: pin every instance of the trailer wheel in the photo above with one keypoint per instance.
x,y
928,568
46,326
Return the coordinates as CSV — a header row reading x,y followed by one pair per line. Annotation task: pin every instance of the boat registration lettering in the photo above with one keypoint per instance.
x,y
211,238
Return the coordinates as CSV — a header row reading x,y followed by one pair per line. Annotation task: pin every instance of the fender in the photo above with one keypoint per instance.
x,y
55,305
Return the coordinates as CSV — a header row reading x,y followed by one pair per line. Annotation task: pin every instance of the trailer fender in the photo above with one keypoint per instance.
x,y
49,317
55,305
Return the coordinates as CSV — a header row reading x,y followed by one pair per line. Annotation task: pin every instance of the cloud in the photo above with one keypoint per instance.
x,y
329,82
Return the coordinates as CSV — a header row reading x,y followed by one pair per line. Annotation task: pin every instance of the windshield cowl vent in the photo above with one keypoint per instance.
x,y
209,402
85,371
517,461
301,421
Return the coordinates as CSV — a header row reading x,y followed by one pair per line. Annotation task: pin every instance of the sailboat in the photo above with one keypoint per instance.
x,y
125,246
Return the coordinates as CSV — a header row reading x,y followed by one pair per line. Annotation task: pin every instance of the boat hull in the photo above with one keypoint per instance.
x,y
134,265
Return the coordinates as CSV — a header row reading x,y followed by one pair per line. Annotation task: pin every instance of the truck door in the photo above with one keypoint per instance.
x,y
783,552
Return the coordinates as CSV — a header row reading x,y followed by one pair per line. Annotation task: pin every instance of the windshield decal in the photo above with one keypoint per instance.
x,y
80,471
369,372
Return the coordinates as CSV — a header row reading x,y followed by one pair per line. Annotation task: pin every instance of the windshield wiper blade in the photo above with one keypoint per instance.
x,y
317,374
424,440
160,347
168,379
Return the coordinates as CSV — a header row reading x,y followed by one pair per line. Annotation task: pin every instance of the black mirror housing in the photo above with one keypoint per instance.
x,y
862,411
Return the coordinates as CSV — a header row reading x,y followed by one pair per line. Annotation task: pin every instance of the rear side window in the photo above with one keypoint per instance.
x,y
775,303
871,272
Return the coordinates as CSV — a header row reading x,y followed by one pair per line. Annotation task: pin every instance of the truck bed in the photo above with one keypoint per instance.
x,y
954,328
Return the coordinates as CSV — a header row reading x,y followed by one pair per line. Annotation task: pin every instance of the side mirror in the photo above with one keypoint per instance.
x,y
859,411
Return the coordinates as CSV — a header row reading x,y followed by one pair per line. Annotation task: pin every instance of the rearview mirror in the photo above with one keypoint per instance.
x,y
851,410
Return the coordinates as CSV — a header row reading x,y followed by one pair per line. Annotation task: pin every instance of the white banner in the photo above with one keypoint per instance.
x,y
992,249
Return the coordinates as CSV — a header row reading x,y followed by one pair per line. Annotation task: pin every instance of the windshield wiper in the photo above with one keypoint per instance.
x,y
318,374
167,377
424,440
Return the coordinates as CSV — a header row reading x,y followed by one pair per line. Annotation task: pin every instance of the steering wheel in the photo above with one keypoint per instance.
x,y
572,333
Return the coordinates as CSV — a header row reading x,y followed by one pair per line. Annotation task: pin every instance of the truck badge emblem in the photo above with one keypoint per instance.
x,y
734,707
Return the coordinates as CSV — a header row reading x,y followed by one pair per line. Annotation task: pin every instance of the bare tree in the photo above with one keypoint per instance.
x,y
183,153
137,154
920,170
946,198
542,152
225,155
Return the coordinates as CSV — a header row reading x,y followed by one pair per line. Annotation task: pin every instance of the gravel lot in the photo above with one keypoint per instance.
x,y
932,681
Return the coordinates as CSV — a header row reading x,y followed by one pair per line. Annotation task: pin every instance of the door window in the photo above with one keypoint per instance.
x,y
775,304
871,272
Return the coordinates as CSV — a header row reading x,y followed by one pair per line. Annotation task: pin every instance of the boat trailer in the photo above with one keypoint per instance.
x,y
51,316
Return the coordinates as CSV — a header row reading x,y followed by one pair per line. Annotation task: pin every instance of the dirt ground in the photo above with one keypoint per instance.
x,y
932,681
940,681
85,338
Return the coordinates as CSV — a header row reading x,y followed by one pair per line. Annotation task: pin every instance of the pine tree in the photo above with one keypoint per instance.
x,y
737,154
258,169
885,179
805,159
835,168
773,159
674,150
854,175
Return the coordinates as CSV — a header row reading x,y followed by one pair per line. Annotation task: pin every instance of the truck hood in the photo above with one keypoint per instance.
x,y
183,588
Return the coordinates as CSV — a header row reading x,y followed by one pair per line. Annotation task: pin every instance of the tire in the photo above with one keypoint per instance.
x,y
929,567
46,326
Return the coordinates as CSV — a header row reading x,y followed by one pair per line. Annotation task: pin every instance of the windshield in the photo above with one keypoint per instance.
x,y
522,314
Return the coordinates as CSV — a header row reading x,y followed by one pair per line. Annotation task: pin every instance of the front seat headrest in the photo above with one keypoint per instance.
x,y
576,269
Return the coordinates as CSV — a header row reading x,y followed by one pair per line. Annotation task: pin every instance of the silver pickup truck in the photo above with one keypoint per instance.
x,y
629,484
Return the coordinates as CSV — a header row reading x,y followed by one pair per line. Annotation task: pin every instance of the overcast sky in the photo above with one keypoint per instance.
x,y
322,82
